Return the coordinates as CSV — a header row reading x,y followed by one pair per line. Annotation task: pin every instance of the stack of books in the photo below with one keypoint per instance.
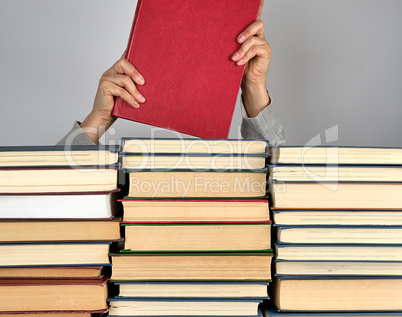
x,y
338,215
56,225
197,229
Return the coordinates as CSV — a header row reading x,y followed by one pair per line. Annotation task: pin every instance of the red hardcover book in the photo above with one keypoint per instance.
x,y
183,49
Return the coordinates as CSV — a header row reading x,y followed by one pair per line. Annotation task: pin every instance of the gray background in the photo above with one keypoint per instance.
x,y
334,63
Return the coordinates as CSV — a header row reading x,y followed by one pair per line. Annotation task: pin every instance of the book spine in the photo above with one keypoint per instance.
x,y
118,103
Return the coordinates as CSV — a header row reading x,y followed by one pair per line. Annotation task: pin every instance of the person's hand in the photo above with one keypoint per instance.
x,y
118,81
255,54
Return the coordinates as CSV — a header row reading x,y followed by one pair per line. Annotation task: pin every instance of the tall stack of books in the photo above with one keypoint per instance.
x,y
197,229
338,214
56,226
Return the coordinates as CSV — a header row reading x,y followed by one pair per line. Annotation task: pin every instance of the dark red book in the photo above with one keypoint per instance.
x,y
183,49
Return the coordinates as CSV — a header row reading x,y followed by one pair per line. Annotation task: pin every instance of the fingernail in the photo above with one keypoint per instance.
x,y
141,98
240,62
141,81
136,104
241,39
235,56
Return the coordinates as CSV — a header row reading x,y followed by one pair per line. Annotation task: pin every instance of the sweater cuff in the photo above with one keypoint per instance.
x,y
264,126
76,136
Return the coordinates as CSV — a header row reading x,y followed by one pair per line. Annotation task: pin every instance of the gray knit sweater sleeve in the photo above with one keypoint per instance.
x,y
76,136
264,126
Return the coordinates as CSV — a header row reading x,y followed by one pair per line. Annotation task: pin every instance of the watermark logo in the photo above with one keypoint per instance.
x,y
330,176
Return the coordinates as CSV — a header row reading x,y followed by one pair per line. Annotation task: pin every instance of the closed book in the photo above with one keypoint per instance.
x,y
58,179
336,173
54,254
35,231
193,154
52,295
338,252
338,294
58,156
73,313
85,205
199,161
337,268
337,217
190,210
196,184
273,312
337,195
198,236
52,272
183,50
340,234
227,290
193,146
196,266
183,307
337,155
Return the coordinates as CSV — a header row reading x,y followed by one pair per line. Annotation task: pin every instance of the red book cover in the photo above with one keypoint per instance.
x,y
183,49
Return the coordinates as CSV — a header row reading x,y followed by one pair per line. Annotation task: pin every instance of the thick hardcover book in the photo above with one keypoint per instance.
x,y
192,266
53,272
184,307
58,156
336,173
183,49
198,236
327,155
340,234
193,154
337,217
198,184
227,290
337,268
196,162
272,312
36,231
190,210
54,254
58,179
338,294
337,195
53,313
92,205
338,252
193,146
53,295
